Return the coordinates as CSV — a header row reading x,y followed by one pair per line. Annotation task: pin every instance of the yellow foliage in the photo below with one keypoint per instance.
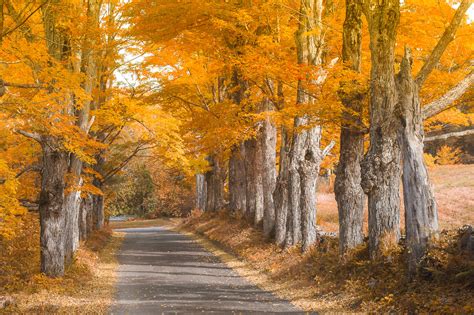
x,y
430,160
11,212
447,156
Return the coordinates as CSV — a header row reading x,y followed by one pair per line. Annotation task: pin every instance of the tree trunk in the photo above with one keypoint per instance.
x,y
421,217
237,179
55,163
52,214
308,171
85,217
280,195
215,185
71,207
201,192
268,142
381,165
254,183
305,154
347,187
293,223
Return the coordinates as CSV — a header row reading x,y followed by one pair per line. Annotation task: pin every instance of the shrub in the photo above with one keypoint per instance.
x,y
429,160
447,156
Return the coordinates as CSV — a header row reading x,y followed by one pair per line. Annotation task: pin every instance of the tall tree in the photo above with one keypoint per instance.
x,y
421,213
349,194
304,152
381,165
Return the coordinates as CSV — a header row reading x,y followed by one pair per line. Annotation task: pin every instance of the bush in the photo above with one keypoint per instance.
x,y
429,160
447,156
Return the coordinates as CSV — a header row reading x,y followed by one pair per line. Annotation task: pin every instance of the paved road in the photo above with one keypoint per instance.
x,y
165,272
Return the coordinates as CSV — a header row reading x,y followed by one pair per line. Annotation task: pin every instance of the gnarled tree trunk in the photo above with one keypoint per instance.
x,y
349,194
381,165
52,214
421,216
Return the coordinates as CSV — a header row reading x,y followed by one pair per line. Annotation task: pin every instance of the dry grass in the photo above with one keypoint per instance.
x,y
454,192
86,288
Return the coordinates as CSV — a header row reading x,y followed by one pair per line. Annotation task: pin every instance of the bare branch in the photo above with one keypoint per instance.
x,y
22,85
138,149
446,136
445,40
30,135
29,168
445,101
89,125
328,148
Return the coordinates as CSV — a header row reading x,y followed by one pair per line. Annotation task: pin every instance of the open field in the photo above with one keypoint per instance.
x,y
454,192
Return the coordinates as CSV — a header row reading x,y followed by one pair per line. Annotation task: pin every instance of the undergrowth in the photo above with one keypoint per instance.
x,y
319,280
87,283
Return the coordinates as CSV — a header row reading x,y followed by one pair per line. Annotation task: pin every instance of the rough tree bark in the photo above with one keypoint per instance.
x,y
72,204
98,215
237,179
215,185
381,165
254,180
349,194
421,217
52,214
85,217
201,192
280,195
268,143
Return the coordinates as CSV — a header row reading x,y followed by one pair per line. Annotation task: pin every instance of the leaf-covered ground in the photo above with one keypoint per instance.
x,y
86,288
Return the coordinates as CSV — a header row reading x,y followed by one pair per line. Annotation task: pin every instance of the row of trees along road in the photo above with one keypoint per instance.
x,y
68,126
262,85
249,95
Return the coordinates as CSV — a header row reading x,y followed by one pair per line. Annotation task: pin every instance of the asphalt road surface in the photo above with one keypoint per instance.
x,y
165,272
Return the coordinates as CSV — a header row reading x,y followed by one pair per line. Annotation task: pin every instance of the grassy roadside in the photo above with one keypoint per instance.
x,y
86,288
319,281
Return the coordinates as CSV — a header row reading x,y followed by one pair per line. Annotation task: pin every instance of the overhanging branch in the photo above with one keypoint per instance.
x,y
445,101
445,40
448,135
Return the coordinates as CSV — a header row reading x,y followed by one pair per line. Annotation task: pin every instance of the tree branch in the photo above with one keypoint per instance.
x,y
328,148
33,167
449,98
448,37
139,148
448,135
30,135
